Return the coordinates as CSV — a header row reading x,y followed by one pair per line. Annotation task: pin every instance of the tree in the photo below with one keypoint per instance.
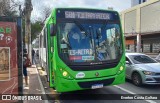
x,y
27,14
36,29
37,26
46,11
3,6
9,7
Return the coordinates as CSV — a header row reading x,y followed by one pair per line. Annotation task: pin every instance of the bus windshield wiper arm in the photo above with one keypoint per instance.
x,y
98,34
81,28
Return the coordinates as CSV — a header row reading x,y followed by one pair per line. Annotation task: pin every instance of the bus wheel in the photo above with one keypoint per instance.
x,y
136,79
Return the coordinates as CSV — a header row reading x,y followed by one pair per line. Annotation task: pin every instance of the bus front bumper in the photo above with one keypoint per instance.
x,y
65,85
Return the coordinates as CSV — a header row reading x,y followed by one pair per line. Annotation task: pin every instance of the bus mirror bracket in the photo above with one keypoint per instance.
x,y
52,29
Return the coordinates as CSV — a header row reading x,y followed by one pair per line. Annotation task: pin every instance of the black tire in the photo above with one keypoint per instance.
x,y
136,79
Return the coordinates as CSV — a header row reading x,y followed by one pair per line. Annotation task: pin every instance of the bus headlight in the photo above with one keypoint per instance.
x,y
121,68
65,73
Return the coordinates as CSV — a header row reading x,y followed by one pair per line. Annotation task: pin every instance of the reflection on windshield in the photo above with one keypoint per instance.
x,y
140,59
89,42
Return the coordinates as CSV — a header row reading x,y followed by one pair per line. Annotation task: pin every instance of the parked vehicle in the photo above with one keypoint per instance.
x,y
142,69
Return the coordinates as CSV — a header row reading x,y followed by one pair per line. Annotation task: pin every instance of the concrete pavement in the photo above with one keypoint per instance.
x,y
35,86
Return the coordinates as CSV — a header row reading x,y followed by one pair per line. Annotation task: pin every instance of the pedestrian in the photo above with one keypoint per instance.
x,y
26,63
37,53
33,53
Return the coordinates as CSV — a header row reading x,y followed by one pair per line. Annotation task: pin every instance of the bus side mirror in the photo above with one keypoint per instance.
x,y
52,29
127,62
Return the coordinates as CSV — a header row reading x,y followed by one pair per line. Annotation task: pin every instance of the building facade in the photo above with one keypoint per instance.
x,y
137,2
141,27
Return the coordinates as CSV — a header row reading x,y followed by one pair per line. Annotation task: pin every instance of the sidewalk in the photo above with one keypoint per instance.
x,y
35,85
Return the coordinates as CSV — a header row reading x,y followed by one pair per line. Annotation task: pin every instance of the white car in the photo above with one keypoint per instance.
x,y
142,69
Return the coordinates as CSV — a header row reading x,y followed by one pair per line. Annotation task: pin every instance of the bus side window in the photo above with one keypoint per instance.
x,y
52,44
52,35
52,29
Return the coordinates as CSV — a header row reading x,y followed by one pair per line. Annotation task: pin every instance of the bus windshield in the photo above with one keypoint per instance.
x,y
89,42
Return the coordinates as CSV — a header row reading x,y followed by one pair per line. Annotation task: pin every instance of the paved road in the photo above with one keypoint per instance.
x,y
101,94
145,89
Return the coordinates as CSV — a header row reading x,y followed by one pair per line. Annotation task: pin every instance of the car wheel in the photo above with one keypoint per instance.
x,y
137,80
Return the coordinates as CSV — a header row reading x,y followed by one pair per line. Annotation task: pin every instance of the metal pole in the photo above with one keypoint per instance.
x,y
138,43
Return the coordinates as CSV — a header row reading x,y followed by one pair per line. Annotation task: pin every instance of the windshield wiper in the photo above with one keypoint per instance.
x,y
83,31
98,35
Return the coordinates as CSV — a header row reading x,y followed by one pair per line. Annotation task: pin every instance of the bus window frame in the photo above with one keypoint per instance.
x,y
87,21
52,29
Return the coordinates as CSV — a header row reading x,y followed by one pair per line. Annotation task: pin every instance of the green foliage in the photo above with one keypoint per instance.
x,y
36,29
11,13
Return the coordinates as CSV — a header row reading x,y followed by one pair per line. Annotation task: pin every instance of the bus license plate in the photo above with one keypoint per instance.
x,y
97,86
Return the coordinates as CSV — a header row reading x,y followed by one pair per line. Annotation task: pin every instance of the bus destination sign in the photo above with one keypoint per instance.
x,y
87,15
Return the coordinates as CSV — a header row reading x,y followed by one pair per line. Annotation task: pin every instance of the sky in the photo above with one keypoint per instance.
x,y
117,5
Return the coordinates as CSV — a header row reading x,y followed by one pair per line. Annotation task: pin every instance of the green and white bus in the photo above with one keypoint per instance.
x,y
82,49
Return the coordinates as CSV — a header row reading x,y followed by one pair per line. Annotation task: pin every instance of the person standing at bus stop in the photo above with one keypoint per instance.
x,y
26,63
33,52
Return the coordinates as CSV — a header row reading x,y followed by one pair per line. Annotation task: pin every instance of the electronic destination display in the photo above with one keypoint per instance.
x,y
83,14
